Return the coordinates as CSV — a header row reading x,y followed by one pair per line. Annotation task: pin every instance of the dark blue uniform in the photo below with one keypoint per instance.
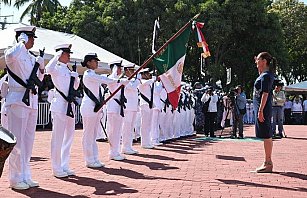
x,y
264,83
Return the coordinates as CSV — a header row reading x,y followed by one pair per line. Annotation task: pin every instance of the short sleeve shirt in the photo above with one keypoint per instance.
x,y
264,83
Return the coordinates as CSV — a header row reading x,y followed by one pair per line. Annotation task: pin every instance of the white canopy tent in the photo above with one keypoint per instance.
x,y
48,39
298,88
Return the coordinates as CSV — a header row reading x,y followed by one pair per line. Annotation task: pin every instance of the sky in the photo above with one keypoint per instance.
x,y
9,10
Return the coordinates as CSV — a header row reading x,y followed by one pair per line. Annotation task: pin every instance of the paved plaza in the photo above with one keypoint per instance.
x,y
191,167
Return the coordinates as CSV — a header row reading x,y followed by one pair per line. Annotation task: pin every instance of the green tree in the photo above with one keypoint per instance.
x,y
236,31
293,19
36,8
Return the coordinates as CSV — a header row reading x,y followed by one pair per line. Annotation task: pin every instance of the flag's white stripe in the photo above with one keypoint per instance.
x,y
171,79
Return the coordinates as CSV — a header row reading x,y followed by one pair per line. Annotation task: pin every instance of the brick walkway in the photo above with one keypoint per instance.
x,y
185,168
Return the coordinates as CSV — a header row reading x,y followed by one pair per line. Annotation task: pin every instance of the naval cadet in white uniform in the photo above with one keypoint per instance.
x,y
115,111
146,104
156,110
129,121
63,128
93,97
22,109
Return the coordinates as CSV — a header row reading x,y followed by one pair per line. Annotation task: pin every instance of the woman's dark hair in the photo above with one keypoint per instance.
x,y
84,64
271,61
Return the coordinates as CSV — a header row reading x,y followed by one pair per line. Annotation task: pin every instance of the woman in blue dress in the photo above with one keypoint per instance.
x,y
262,100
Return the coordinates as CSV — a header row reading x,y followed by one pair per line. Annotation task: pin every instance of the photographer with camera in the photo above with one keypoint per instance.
x,y
239,111
210,109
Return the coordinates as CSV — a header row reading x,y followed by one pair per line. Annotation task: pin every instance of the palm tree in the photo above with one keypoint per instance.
x,y
36,8
6,2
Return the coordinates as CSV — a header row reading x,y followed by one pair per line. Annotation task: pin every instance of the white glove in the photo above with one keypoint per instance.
x,y
124,81
74,74
154,78
41,62
23,38
58,53
139,76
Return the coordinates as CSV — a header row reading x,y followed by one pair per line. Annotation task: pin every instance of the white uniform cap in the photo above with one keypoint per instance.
x,y
63,47
28,30
130,65
118,63
144,70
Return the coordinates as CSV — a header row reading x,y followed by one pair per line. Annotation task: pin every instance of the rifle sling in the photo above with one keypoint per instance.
x,y
90,94
26,97
69,107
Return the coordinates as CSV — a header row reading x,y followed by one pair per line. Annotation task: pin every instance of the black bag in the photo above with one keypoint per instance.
x,y
243,111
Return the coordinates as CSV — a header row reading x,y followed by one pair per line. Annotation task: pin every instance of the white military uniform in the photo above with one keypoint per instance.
x,y
129,121
91,119
4,87
146,113
63,128
157,107
21,118
114,119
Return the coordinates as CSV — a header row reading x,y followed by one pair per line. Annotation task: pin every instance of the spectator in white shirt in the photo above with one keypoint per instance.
x,y
210,112
297,111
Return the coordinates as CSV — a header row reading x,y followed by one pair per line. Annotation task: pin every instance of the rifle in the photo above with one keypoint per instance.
x,y
32,81
72,93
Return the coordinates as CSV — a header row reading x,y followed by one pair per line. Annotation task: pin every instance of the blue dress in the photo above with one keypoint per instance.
x,y
264,83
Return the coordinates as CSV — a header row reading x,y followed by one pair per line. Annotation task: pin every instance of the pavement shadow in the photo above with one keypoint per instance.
x,y
101,187
150,165
130,174
252,184
174,150
160,157
233,158
38,159
296,138
40,193
293,175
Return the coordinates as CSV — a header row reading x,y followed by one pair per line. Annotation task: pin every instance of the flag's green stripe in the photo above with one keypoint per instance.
x,y
174,51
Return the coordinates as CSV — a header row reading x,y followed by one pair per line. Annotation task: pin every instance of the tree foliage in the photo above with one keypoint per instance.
x,y
236,31
293,19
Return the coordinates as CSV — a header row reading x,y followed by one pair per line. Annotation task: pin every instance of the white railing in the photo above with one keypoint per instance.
x,y
44,115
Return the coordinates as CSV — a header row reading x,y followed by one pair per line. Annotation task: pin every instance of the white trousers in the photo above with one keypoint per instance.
x,y
127,130
63,131
146,117
103,120
137,133
177,124
163,126
114,126
22,123
90,129
155,126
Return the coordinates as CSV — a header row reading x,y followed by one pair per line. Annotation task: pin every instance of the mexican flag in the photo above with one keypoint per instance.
x,y
170,64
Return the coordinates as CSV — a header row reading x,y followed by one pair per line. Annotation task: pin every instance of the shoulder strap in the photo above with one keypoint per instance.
x,y
16,78
90,94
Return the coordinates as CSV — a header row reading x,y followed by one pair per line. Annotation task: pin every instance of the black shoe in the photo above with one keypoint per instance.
x,y
102,140
233,136
281,135
212,136
240,137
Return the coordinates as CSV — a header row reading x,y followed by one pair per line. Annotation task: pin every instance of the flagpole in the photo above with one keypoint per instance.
x,y
151,57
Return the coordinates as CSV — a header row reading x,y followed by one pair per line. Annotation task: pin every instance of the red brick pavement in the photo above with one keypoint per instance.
x,y
185,168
